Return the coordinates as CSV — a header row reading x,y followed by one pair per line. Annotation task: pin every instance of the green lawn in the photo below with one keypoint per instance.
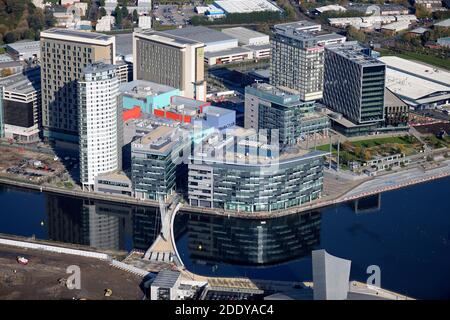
x,y
407,140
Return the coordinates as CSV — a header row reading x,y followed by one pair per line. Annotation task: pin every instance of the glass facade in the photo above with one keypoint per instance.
x,y
252,188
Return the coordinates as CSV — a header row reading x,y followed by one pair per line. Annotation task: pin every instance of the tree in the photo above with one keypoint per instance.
x,y
102,12
6,72
50,20
125,12
422,12
101,3
10,37
118,15
135,15
356,34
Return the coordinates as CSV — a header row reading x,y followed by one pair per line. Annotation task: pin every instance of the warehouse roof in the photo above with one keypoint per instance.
x,y
247,6
201,34
166,279
444,23
414,82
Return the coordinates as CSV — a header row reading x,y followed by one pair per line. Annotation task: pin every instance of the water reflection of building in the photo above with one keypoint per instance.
x,y
146,226
103,225
65,221
367,204
252,242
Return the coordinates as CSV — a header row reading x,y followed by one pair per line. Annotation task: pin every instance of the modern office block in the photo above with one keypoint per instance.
x,y
20,106
64,53
298,57
239,173
99,118
354,83
170,60
331,276
269,107
153,169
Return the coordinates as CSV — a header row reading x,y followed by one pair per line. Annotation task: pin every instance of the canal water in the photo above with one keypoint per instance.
x,y
405,232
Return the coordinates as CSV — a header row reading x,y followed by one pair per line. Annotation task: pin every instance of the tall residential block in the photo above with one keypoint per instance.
x,y
354,83
298,57
170,60
275,108
98,91
64,53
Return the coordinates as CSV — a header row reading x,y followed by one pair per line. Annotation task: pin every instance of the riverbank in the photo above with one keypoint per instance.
x,y
346,191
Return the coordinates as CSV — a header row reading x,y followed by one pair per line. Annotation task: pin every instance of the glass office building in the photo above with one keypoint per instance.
x,y
247,181
270,107
354,83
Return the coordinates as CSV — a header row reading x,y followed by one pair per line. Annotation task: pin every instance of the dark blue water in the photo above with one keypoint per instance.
x,y
407,235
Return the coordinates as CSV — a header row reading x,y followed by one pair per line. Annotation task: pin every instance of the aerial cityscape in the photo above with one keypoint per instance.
x,y
231,150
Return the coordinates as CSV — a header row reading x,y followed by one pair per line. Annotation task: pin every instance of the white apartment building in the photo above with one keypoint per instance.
x,y
98,90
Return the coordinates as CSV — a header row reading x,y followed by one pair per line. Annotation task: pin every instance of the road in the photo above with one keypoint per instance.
x,y
397,180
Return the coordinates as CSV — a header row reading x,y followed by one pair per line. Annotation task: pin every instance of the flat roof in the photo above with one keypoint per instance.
x,y
25,46
201,34
167,38
412,81
444,23
418,69
24,83
227,52
352,50
255,158
306,31
143,88
247,6
98,67
161,140
243,32
166,279
76,33
258,47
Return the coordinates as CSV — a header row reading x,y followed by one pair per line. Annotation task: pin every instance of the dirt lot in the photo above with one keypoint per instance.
x,y
41,278
17,164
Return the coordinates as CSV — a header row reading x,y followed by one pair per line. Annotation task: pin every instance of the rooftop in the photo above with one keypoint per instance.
x,y
444,23
229,149
98,67
167,38
75,33
200,34
353,51
161,140
26,46
237,50
243,32
418,69
24,83
142,88
166,279
306,31
247,6
280,95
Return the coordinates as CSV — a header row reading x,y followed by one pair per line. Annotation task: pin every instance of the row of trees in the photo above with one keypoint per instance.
x,y
124,19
